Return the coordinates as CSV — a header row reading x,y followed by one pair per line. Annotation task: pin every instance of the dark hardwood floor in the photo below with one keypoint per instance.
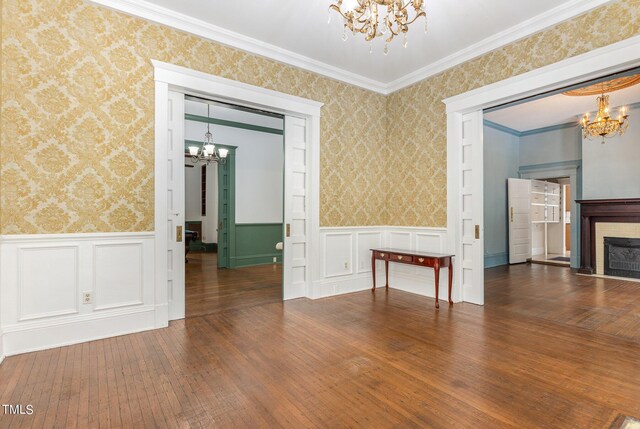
x,y
529,358
209,290
558,295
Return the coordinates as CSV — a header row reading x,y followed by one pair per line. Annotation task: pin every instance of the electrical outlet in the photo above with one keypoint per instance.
x,y
346,265
87,298
275,259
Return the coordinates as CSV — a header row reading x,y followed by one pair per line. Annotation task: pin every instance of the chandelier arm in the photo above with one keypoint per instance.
x,y
421,14
337,9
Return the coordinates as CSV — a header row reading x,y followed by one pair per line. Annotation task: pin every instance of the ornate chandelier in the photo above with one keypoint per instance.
x,y
604,125
367,19
207,153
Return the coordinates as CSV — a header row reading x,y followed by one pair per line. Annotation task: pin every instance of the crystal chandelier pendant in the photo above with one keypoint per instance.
x,y
369,18
604,125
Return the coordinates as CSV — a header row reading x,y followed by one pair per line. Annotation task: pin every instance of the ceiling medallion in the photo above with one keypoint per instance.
x,y
608,86
366,18
604,125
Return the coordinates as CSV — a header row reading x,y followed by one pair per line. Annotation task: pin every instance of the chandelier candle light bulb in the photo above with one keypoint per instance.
x,y
207,153
366,19
604,125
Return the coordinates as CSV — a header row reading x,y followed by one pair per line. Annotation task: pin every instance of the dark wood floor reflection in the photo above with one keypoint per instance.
x,y
209,290
530,358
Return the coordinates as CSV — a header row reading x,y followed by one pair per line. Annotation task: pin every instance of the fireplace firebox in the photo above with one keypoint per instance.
x,y
622,257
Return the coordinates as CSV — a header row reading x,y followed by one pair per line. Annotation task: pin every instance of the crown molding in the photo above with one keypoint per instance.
x,y
526,28
161,15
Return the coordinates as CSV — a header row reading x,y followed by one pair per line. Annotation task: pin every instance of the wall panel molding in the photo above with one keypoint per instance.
x,y
44,277
47,281
353,243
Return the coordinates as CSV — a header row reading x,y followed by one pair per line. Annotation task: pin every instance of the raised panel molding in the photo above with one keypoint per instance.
x,y
338,242
121,287
43,278
48,280
339,254
365,241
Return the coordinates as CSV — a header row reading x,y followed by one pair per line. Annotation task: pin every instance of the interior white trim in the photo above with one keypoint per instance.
x,y
165,16
1,346
526,28
169,77
62,318
603,61
334,279
35,238
590,65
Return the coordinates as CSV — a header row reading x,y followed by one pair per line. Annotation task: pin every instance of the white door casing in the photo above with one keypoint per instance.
x,y
181,80
175,206
599,62
472,204
295,270
519,218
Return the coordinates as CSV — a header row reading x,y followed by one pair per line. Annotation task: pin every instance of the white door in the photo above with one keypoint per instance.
x,y
175,206
295,270
519,213
472,227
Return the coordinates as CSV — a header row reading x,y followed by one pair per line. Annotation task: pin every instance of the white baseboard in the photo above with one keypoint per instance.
x,y
42,335
45,278
340,286
423,285
345,265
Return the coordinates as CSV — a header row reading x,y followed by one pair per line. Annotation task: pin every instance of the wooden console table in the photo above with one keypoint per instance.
x,y
433,260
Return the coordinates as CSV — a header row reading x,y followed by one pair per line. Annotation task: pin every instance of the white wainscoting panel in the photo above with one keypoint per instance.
x,y
338,247
118,275
367,241
47,283
346,244
44,278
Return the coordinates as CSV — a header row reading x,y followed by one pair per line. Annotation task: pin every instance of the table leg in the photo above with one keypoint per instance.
x,y
436,268
450,279
386,272
373,270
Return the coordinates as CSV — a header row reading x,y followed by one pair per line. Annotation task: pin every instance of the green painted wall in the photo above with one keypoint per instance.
x,y
255,244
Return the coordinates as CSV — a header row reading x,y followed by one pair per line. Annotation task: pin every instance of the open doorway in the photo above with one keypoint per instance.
x,y
233,208
545,163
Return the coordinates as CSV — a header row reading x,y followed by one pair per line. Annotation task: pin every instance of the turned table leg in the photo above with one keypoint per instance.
x,y
436,268
373,270
450,279
386,272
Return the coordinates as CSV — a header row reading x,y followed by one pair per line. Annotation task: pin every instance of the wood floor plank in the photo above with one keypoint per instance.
x,y
549,349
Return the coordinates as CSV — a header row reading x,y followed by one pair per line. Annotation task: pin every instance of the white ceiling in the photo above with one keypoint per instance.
x,y
558,109
297,32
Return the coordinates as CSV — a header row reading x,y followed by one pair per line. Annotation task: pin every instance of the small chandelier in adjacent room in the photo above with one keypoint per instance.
x,y
207,153
366,18
604,125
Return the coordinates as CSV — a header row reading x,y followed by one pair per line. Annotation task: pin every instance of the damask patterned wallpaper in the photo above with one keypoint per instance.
x,y
77,120
76,149
416,114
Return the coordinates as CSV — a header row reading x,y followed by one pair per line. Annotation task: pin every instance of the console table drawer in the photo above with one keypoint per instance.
x,y
381,255
402,258
427,262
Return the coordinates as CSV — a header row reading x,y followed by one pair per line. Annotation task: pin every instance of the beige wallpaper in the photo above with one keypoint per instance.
x,y
77,120
76,148
417,117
